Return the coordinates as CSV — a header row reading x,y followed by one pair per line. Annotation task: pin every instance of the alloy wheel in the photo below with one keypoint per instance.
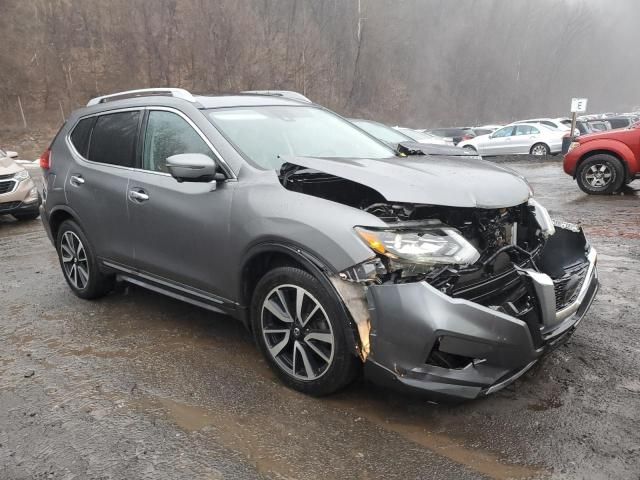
x,y
539,150
74,260
297,332
598,175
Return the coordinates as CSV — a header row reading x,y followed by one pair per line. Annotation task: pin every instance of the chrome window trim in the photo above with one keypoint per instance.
x,y
225,166
75,152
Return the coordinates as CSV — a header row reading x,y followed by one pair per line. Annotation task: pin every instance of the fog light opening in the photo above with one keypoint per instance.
x,y
451,361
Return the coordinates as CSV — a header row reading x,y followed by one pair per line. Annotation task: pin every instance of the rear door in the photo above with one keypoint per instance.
x,y
103,148
525,137
180,230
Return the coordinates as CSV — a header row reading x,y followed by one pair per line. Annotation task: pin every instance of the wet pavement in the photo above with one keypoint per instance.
x,y
137,385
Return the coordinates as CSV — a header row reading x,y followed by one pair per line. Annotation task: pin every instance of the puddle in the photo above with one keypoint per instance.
x,y
230,429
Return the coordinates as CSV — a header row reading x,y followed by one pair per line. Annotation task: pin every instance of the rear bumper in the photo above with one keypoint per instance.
x,y
410,321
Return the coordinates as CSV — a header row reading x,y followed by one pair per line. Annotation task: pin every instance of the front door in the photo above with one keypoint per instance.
x,y
180,230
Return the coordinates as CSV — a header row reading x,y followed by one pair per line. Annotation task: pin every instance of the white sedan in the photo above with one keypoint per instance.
x,y
521,139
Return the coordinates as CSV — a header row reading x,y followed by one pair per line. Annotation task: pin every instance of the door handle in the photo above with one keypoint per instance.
x,y
138,196
76,180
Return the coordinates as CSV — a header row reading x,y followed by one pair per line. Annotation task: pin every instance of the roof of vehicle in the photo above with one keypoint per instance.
x,y
246,100
148,96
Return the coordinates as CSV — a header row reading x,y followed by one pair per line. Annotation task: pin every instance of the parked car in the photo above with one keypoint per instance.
x,y
559,123
518,139
621,121
444,275
423,137
485,129
602,163
399,141
456,135
599,125
18,193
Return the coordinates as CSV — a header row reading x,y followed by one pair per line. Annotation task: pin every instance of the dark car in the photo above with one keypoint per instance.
x,y
456,134
440,274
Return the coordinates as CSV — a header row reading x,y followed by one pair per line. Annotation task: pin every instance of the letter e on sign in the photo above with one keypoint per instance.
x,y
578,105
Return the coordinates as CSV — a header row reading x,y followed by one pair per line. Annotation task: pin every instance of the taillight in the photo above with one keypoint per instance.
x,y
45,159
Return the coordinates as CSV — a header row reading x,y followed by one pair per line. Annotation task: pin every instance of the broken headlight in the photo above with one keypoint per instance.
x,y
429,245
542,217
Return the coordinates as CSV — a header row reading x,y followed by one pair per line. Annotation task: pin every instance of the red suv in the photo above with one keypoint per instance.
x,y
603,162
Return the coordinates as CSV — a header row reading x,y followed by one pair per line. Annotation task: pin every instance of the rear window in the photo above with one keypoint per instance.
x,y
114,139
81,134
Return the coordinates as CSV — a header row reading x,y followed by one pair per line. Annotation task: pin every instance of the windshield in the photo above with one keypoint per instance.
x,y
265,134
384,133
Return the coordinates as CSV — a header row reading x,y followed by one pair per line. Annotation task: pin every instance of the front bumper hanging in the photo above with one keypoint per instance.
x,y
484,346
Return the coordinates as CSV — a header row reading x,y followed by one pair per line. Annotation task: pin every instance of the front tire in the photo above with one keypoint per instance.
x,y
301,329
601,174
470,149
79,263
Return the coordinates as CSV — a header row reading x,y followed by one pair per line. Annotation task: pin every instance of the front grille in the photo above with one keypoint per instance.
x,y
6,186
8,175
9,206
568,286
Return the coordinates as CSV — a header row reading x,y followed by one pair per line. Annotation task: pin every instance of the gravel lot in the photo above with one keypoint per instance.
x,y
137,385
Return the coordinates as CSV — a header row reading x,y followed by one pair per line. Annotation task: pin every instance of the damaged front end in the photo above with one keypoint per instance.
x,y
455,300
464,301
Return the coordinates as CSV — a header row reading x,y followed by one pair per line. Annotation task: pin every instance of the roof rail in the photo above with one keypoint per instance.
x,y
143,92
280,93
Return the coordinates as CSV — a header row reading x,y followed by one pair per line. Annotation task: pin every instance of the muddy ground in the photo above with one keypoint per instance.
x,y
137,385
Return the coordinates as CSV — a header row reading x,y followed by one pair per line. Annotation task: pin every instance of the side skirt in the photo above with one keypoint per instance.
x,y
172,289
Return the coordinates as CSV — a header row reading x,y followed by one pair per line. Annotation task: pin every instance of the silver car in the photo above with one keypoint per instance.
x,y
518,139
437,274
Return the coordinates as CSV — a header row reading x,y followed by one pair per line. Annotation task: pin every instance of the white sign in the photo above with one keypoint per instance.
x,y
578,105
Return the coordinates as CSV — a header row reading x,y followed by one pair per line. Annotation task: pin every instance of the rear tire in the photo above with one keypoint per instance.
x,y
600,174
79,263
301,329
540,150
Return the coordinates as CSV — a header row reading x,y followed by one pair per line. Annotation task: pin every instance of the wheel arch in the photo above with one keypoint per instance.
x,y
593,153
264,257
58,215
616,149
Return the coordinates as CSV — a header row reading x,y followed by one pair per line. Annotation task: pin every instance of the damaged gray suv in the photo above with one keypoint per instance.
x,y
438,274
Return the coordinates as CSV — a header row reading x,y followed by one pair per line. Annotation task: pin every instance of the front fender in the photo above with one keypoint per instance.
x,y
615,147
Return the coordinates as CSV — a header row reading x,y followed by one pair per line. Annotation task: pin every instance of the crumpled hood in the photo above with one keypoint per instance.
x,y
455,182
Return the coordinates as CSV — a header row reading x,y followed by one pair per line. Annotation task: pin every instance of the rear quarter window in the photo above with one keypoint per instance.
x,y
80,135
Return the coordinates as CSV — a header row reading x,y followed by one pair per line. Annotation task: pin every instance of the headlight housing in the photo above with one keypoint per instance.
x,y
543,218
573,145
21,175
425,245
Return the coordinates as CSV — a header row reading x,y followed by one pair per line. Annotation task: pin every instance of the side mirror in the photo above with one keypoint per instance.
x,y
11,154
192,167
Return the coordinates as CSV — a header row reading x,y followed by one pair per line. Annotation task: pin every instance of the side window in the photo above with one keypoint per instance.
x,y
503,132
169,134
549,124
526,130
81,134
113,140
